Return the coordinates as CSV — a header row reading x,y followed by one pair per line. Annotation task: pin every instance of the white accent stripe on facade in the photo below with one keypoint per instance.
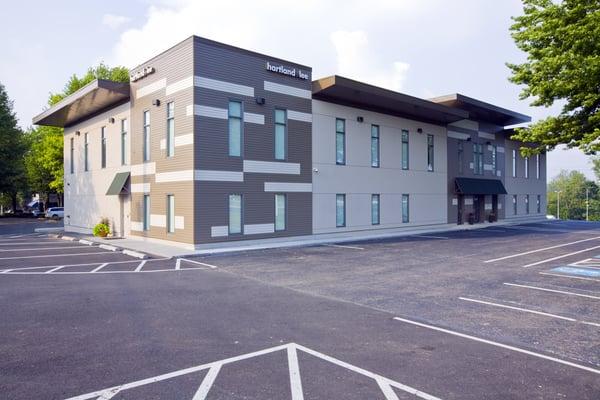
x,y
458,135
486,135
148,168
287,187
158,220
180,140
500,149
219,231
182,84
175,176
289,90
223,176
254,118
206,111
255,229
488,167
151,88
299,116
223,86
271,167
140,188
136,226
179,222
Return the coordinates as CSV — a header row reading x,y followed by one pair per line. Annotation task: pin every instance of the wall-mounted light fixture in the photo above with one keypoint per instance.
x,y
111,120
360,119
78,133
156,102
468,139
260,100
419,130
488,142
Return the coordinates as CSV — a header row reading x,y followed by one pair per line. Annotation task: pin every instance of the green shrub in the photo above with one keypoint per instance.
x,y
102,229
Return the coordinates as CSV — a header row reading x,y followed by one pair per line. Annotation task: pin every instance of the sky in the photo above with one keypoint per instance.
x,y
424,48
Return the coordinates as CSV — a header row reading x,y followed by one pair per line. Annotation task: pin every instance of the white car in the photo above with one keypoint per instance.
x,y
55,212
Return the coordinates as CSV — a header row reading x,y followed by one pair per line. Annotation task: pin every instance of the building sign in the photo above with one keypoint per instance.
x,y
289,71
141,73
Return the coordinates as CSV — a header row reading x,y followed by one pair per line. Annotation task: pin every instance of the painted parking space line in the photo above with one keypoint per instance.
x,y
99,268
211,266
344,246
569,276
501,345
527,310
60,255
590,273
551,230
54,269
140,266
294,373
62,272
43,248
560,257
589,296
80,264
539,250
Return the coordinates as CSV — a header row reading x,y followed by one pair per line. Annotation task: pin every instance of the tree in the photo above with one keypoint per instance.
x,y
572,187
562,42
44,161
12,148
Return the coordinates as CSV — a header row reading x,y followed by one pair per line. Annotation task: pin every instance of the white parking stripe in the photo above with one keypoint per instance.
x,y
529,311
344,247
84,264
207,382
497,344
200,263
59,255
178,264
538,250
294,370
43,248
99,267
140,266
17,272
561,256
570,276
552,290
387,390
54,269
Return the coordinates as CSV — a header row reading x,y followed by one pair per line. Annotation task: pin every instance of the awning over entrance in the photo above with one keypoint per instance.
x,y
479,186
118,184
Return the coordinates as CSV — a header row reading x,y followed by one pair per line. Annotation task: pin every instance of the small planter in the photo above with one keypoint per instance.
x,y
471,218
492,217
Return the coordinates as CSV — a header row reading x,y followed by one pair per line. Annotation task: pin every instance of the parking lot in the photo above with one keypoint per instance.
x,y
495,313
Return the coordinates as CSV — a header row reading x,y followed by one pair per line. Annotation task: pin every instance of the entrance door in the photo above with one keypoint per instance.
x,y
477,209
495,206
461,203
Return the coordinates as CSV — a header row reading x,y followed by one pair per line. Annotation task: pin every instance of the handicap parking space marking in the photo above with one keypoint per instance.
x,y
568,270
293,367
569,276
518,285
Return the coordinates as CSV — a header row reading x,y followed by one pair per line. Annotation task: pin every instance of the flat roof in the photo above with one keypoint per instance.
x,y
482,111
344,91
91,99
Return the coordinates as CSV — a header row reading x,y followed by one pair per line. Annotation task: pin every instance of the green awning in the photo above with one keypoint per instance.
x,y
479,186
118,184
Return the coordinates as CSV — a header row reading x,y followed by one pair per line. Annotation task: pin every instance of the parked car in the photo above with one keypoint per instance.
x,y
55,212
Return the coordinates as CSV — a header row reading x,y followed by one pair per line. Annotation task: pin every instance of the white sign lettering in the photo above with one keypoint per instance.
x,y
289,71
141,73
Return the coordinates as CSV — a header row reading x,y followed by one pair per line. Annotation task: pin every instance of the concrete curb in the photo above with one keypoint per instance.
x,y
108,247
69,238
135,254
83,241
48,230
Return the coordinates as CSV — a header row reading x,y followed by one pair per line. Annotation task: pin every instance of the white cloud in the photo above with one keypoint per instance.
x,y
114,21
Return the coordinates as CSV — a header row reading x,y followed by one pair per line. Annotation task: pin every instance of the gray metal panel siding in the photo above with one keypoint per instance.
x,y
211,143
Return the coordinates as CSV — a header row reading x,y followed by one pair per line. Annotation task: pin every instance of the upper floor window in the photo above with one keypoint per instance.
x,y
280,134
526,167
72,156
146,137
477,158
103,147
527,204
514,163
170,129
340,141
537,167
235,116
430,153
124,150
494,159
404,149
375,146
86,144
460,158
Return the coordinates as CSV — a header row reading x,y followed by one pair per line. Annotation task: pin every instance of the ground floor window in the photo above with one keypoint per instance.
x,y
375,209
235,214
146,212
514,199
405,208
280,214
340,210
526,204
170,213
539,204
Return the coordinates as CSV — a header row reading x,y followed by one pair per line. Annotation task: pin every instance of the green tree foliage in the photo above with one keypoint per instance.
x,y
12,149
572,186
44,161
562,42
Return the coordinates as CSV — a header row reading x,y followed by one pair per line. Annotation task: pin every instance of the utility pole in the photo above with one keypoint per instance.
x,y
587,204
558,204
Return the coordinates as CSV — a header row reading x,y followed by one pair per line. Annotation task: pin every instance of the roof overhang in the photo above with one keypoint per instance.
x,y
348,92
93,98
482,111
479,186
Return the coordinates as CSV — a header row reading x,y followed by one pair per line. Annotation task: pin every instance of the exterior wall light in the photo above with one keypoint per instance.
x,y
360,119
156,102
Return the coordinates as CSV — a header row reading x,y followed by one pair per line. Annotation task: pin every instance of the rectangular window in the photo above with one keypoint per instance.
x,y
405,209
460,158
526,167
526,204
85,151
404,149
235,214
340,210
375,209
514,204
72,155
375,146
494,158
280,134
340,141
280,212
477,158
537,166
103,147
170,129
430,153
235,116
538,204
124,150
146,136
514,163
146,212
170,213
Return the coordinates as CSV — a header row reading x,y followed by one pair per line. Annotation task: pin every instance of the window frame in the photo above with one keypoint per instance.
x,y
241,120
86,148
494,159
375,140
343,134
146,136
526,204
170,139
285,216
285,133
478,168
124,129
514,163
526,170
405,140
146,213
430,153
72,155
241,232
460,157
406,216
170,217
539,204
537,166
378,220
515,205
103,147
343,197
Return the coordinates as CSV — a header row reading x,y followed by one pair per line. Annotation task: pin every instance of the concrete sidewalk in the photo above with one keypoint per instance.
x,y
167,250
